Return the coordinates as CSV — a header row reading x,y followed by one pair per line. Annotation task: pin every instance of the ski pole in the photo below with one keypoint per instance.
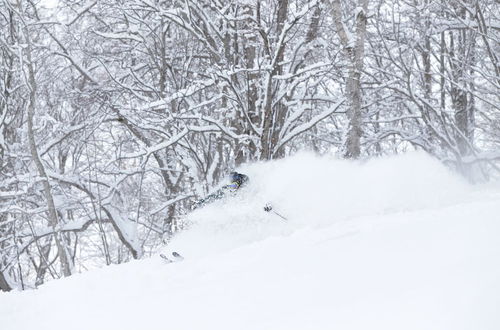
x,y
269,208
279,215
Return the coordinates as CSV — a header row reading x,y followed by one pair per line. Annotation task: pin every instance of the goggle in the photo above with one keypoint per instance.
x,y
233,185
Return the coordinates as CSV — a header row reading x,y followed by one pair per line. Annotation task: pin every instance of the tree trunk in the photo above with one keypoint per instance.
x,y
461,60
52,213
442,69
4,285
274,115
354,51
246,151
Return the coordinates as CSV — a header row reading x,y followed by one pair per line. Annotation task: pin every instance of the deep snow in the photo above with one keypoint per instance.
x,y
396,243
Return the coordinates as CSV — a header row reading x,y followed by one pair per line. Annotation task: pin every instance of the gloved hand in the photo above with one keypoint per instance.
x,y
268,207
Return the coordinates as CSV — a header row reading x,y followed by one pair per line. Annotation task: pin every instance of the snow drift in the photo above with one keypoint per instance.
x,y
393,243
313,191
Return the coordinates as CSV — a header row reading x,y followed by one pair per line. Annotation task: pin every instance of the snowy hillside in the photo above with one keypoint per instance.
x,y
396,243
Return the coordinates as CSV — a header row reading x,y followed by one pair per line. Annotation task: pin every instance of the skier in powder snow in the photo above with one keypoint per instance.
x,y
237,180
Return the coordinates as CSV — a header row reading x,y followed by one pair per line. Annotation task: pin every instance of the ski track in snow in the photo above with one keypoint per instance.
x,y
395,243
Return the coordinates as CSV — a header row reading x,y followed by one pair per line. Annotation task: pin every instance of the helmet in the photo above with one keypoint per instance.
x,y
238,179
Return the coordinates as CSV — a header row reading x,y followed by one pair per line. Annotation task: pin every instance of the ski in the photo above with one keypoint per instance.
x,y
173,258
177,256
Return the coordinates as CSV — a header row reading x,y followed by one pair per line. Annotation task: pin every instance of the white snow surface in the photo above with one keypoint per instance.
x,y
391,243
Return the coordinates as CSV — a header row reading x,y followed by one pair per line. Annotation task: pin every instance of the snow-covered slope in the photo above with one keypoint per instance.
x,y
395,243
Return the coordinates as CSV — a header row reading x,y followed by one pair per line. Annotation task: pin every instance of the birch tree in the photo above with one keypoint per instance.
x,y
353,43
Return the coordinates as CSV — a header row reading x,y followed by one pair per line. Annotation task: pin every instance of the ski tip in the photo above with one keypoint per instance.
x,y
177,255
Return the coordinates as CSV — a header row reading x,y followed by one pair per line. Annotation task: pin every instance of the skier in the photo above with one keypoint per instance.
x,y
237,180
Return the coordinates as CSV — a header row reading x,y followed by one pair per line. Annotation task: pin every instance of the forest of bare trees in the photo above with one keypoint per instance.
x,y
115,115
